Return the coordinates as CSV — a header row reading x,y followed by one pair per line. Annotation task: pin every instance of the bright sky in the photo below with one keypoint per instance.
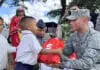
x,y
36,9
5,8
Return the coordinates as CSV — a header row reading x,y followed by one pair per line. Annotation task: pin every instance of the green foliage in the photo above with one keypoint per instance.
x,y
90,4
65,31
15,2
54,13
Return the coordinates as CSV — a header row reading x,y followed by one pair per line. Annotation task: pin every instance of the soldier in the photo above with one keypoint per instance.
x,y
84,41
77,7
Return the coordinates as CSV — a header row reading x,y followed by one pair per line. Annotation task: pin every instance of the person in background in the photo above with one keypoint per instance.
x,y
52,43
98,23
27,57
5,48
94,18
15,29
41,31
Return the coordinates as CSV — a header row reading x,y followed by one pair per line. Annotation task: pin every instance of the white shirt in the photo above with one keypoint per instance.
x,y
28,49
5,48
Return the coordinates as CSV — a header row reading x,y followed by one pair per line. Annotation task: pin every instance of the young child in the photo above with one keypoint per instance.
x,y
51,43
29,47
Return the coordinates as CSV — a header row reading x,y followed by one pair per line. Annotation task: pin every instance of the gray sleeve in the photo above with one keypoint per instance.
x,y
68,48
88,59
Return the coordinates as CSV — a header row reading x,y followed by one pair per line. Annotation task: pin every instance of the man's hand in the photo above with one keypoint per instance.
x,y
54,65
51,51
59,51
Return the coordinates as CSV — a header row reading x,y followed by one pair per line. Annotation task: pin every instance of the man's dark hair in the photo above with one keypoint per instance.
x,y
1,18
74,4
25,21
40,24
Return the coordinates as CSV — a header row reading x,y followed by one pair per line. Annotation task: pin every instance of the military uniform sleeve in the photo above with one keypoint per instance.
x,y
89,57
68,48
86,62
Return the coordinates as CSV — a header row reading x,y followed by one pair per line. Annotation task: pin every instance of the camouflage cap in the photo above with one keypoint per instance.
x,y
78,13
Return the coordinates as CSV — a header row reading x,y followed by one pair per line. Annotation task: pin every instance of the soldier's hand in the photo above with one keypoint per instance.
x,y
59,51
54,65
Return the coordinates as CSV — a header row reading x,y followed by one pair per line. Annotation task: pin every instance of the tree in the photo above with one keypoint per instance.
x,y
63,4
16,2
59,12
1,2
90,4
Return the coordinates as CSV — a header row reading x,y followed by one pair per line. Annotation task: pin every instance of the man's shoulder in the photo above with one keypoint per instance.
x,y
28,37
94,33
95,39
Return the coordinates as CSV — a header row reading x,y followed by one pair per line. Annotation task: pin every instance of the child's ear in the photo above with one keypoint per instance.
x,y
27,27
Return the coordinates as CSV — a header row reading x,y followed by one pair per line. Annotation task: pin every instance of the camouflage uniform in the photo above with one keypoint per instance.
x,y
87,48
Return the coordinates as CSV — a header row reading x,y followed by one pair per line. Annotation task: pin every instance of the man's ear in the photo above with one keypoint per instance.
x,y
27,26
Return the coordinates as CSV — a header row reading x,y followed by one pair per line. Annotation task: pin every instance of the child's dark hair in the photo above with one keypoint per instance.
x,y
24,21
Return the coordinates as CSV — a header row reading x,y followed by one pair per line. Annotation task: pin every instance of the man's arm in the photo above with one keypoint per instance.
x,y
68,48
88,59
52,51
11,49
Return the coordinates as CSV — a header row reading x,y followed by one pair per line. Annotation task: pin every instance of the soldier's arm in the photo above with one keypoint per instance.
x,y
86,62
68,48
88,59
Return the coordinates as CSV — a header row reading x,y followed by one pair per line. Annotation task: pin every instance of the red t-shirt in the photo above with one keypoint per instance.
x,y
52,43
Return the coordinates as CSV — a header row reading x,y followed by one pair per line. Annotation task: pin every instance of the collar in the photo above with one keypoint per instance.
x,y
84,34
26,32
83,37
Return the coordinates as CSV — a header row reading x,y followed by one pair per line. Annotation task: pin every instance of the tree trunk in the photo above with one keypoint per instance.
x,y
63,4
59,28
